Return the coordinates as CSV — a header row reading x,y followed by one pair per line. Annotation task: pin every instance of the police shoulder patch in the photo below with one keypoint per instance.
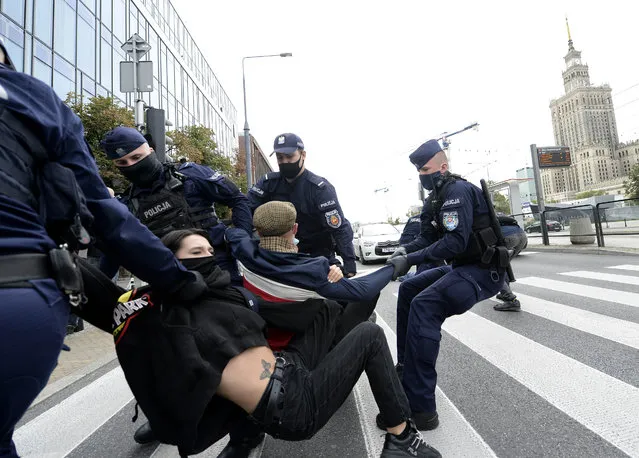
x,y
452,202
216,176
333,218
450,220
258,191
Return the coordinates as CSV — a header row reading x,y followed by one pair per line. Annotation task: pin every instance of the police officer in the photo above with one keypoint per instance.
x,y
411,230
165,199
323,229
516,240
47,173
455,227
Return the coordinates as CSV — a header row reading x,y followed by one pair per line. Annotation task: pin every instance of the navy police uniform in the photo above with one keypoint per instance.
x,y
178,199
323,229
39,133
411,230
452,219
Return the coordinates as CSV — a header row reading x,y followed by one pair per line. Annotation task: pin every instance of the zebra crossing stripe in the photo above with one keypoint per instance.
x,y
592,292
603,404
625,267
614,278
614,329
66,425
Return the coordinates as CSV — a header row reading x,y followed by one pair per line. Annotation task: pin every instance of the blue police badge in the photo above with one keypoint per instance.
x,y
333,219
450,220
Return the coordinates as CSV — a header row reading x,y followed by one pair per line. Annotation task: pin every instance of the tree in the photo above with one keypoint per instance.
x,y
632,184
586,194
99,115
501,203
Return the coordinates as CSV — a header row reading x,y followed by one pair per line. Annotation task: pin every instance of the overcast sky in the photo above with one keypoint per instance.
x,y
370,80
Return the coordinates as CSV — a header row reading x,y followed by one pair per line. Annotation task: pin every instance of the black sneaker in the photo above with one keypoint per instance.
x,y
508,306
500,296
144,434
241,449
423,421
414,445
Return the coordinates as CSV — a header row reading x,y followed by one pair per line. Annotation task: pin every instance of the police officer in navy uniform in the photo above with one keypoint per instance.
x,y
455,226
411,230
166,199
46,172
323,229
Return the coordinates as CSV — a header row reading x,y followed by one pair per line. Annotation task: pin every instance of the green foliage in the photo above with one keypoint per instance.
x,y
392,221
501,203
99,115
632,184
586,194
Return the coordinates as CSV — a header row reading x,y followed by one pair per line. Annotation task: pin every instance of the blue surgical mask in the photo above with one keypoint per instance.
x,y
428,181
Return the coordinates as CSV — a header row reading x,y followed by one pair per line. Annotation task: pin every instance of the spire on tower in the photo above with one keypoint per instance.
x,y
570,46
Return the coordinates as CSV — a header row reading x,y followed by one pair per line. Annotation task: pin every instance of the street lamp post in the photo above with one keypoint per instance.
x,y
247,138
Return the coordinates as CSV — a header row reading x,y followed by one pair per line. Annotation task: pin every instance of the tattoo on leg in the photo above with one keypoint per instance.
x,y
266,373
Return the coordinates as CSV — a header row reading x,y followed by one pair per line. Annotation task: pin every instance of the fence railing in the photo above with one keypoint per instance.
x,y
619,220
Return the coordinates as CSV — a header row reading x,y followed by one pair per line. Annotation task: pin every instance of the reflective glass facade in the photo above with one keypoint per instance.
x,y
74,45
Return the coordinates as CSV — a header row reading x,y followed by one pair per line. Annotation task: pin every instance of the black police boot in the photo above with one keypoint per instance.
x,y
144,434
423,421
241,449
412,445
510,305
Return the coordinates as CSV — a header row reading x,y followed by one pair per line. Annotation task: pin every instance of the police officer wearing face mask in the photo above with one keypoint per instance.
x,y
323,229
455,226
51,193
165,199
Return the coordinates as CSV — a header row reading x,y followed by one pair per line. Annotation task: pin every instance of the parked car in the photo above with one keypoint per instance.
x,y
551,225
375,241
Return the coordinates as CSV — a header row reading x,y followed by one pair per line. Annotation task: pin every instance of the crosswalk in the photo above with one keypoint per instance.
x,y
558,379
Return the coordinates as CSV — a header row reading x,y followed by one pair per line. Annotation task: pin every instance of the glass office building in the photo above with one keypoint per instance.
x,y
74,46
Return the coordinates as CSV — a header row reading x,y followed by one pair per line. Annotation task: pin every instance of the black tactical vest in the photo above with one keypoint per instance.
x,y
167,210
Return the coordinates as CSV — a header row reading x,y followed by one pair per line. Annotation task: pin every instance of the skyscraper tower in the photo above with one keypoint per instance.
x,y
583,119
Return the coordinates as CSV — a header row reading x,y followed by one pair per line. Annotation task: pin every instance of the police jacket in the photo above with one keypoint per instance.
x,y
452,217
173,356
411,230
54,125
185,199
323,229
304,271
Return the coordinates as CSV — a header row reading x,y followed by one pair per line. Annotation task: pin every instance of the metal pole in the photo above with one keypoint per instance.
x,y
247,138
139,114
540,193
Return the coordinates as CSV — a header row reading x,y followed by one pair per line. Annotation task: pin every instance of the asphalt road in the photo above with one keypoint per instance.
x,y
558,379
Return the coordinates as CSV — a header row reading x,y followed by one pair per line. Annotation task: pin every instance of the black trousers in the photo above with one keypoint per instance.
x,y
308,398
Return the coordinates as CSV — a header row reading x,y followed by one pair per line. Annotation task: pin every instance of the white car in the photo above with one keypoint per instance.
x,y
375,241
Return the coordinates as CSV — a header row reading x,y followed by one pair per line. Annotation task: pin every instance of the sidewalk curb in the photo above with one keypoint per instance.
x,y
59,385
598,251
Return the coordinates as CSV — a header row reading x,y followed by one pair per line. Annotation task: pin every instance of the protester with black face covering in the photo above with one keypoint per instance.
x,y
323,229
165,199
205,382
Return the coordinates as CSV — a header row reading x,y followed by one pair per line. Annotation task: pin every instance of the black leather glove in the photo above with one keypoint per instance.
x,y
400,265
401,251
190,290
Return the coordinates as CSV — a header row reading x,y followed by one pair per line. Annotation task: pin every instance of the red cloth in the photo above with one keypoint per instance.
x,y
277,338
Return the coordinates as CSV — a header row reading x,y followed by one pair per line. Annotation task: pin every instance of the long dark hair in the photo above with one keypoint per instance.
x,y
173,240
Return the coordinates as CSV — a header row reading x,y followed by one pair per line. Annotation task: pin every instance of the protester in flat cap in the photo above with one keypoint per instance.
x,y
455,226
165,199
323,229
226,373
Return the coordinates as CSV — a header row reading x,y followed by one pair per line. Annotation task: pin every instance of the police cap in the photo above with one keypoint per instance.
x,y
287,144
121,141
274,218
425,153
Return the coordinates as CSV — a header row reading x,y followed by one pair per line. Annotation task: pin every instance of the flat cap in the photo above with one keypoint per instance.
x,y
425,153
274,218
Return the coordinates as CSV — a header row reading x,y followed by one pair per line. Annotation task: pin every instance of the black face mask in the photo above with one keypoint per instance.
x,y
206,265
143,173
291,169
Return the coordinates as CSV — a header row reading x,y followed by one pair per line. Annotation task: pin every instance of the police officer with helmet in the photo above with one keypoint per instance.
x,y
166,199
455,226
323,229
50,194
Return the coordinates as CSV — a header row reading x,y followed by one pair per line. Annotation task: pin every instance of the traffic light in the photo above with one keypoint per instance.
x,y
156,131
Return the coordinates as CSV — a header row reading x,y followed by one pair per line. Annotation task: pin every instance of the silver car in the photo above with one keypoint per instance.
x,y
375,241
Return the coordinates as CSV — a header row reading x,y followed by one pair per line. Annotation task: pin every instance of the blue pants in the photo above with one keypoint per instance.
x,y
423,303
32,328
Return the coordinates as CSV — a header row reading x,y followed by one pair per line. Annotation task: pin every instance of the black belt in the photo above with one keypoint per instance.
x,y
274,407
16,269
